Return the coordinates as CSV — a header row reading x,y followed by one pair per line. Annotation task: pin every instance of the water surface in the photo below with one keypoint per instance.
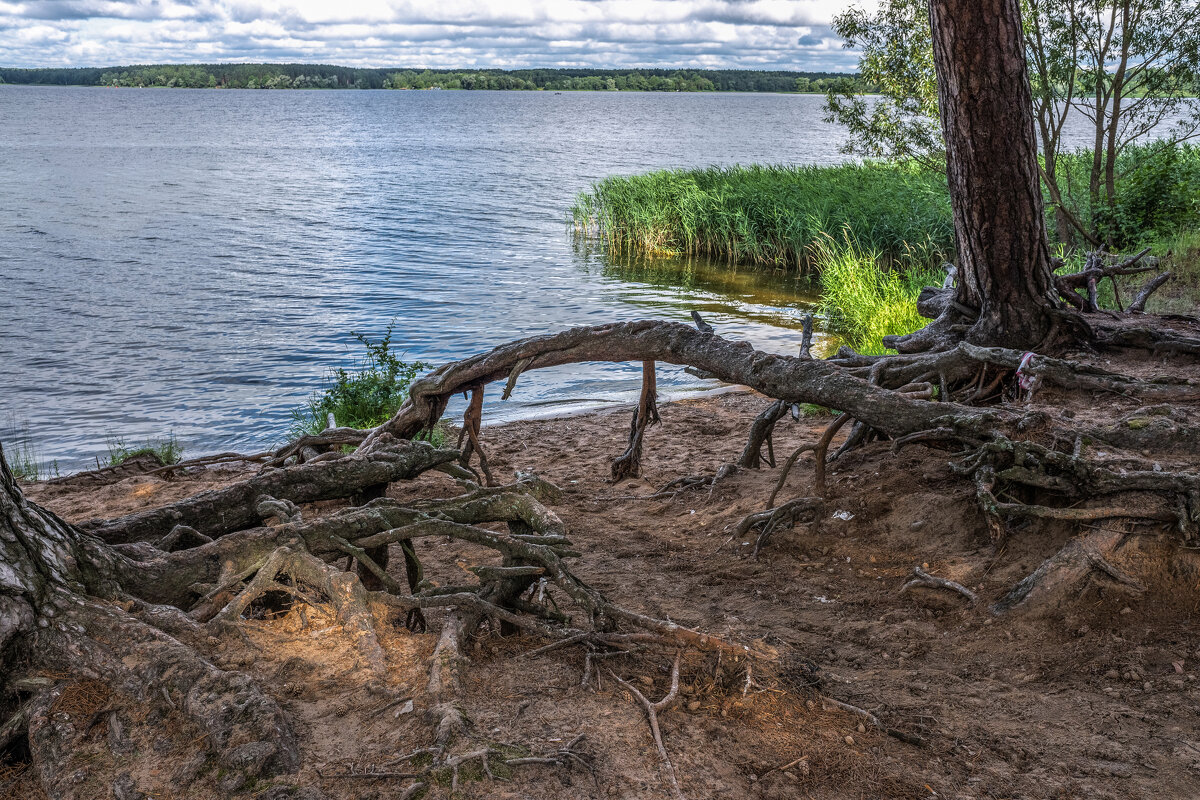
x,y
193,261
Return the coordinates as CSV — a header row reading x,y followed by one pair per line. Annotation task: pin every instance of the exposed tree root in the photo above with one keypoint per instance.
x,y
652,710
231,509
629,463
1084,559
761,431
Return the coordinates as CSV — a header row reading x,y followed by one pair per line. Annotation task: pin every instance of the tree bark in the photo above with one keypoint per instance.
x,y
987,118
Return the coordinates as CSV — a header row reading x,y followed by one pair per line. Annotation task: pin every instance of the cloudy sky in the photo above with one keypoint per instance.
x,y
750,34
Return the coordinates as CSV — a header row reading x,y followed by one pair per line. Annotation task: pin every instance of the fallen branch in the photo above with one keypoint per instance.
x,y
924,580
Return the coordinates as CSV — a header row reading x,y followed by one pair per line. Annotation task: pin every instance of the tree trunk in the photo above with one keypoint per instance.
x,y
987,118
61,614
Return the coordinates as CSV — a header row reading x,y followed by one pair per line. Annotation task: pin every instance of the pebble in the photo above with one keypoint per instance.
x,y
1112,675
1147,686
849,740
862,728
694,705
1126,610
916,526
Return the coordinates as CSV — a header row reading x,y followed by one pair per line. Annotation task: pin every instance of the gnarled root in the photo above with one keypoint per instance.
x,y
629,463
222,511
1084,559
150,672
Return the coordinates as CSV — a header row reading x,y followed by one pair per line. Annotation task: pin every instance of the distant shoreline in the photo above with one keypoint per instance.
x,y
456,91
321,76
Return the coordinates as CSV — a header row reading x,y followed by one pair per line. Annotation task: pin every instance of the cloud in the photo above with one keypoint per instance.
x,y
756,34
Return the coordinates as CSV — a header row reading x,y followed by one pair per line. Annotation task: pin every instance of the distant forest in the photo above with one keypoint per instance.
x,y
319,76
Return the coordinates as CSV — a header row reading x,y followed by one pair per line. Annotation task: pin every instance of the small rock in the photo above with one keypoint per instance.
x,y
123,788
925,565
916,526
862,728
1126,610
694,705
1112,675
850,740
1147,686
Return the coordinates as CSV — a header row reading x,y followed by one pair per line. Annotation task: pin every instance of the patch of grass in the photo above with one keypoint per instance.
x,y
168,450
771,215
24,459
866,299
365,396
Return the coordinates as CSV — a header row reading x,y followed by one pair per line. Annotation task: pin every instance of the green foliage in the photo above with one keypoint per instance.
x,y
1129,68
365,397
897,62
865,299
1157,196
323,76
168,450
1160,194
770,215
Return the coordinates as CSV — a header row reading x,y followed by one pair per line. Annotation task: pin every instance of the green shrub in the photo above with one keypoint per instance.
x,y
865,299
1157,193
364,397
168,450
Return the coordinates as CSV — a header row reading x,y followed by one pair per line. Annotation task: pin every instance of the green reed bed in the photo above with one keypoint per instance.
x,y
771,215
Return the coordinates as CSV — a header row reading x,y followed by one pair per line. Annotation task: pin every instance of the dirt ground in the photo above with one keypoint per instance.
x,y
1098,699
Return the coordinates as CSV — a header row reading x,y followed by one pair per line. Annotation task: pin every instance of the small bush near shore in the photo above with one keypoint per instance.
x,y
168,450
364,397
865,299
771,215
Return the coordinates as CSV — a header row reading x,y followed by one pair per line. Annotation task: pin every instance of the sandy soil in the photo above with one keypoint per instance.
x,y
1097,701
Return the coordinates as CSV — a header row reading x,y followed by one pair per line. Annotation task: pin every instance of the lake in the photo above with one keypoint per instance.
x,y
194,261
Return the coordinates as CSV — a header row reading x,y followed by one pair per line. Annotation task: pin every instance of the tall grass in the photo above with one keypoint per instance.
x,y
770,215
865,299
23,457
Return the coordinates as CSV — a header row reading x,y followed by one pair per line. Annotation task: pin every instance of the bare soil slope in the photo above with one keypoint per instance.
x,y
1095,700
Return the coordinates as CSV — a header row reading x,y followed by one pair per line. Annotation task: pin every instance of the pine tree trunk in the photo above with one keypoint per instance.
x,y
987,119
